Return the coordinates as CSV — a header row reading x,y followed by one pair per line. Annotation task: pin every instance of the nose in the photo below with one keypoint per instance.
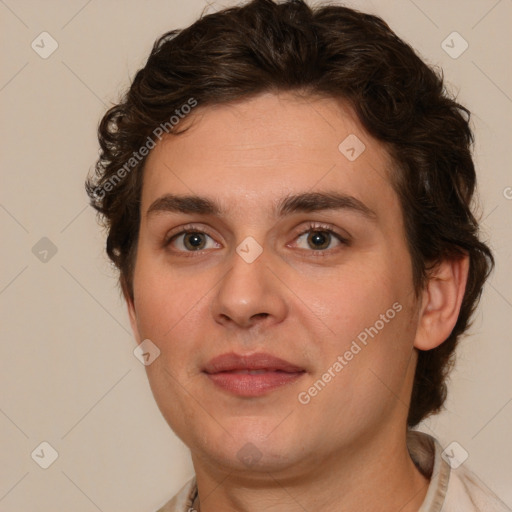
x,y
249,294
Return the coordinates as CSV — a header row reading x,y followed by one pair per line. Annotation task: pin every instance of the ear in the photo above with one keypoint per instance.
x,y
441,302
131,309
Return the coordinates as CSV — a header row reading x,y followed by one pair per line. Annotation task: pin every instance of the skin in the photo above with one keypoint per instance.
x,y
346,449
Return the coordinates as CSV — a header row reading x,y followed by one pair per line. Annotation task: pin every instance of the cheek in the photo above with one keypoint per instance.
x,y
350,301
164,300
368,312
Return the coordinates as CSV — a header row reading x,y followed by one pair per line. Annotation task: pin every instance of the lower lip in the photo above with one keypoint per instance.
x,y
244,384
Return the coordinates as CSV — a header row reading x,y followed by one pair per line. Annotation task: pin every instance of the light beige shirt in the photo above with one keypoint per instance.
x,y
450,490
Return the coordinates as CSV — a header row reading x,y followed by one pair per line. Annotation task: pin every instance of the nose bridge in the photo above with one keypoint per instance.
x,y
248,291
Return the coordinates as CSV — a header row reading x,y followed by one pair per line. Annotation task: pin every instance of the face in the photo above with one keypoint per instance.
x,y
322,281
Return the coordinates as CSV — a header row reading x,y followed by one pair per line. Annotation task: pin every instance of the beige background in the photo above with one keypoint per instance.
x,y
68,374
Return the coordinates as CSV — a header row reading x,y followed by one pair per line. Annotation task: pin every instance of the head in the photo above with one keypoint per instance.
x,y
249,107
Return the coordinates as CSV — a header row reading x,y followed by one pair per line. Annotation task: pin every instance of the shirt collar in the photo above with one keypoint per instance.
x,y
426,452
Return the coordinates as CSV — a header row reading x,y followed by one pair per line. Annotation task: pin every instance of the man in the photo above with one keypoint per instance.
x,y
287,193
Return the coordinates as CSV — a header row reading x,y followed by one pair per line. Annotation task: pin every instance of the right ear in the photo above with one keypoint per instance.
x,y
131,308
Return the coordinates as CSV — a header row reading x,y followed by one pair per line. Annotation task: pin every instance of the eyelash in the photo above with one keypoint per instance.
x,y
322,228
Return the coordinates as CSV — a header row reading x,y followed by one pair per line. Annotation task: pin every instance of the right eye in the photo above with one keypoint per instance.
x,y
190,240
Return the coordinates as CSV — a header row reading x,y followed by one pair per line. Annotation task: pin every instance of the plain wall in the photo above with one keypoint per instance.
x,y
67,371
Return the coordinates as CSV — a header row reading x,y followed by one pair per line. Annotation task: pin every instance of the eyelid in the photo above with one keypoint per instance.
x,y
319,226
187,228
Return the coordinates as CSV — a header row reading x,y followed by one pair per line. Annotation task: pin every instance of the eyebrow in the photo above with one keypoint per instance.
x,y
306,202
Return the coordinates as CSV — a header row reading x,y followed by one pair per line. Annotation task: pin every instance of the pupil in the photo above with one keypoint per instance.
x,y
317,236
193,240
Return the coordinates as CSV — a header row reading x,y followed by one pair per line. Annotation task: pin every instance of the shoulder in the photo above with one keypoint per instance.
x,y
453,486
182,500
467,492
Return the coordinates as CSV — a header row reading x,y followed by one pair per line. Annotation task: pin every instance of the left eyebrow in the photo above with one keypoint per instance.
x,y
306,202
318,201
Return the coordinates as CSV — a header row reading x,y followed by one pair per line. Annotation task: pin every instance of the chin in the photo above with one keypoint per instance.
x,y
246,445
251,459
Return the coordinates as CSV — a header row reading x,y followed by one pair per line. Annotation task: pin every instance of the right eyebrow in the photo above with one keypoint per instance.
x,y
184,204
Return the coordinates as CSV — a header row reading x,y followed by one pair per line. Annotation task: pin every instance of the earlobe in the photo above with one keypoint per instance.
x,y
441,302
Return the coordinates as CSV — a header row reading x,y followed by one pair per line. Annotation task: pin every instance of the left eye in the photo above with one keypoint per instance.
x,y
320,238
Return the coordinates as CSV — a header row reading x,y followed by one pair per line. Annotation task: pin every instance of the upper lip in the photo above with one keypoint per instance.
x,y
259,361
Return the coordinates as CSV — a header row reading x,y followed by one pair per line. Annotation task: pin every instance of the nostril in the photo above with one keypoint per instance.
x,y
260,315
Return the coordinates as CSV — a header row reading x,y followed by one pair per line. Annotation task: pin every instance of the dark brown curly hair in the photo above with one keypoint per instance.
x,y
331,51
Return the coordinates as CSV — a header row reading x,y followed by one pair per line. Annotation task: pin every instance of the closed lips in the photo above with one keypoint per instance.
x,y
250,364
255,372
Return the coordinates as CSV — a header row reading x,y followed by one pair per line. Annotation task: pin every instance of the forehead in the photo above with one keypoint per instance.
x,y
254,152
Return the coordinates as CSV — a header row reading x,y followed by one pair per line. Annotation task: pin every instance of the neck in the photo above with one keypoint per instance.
x,y
377,476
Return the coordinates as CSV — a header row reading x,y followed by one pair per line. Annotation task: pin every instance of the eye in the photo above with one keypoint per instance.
x,y
190,240
320,237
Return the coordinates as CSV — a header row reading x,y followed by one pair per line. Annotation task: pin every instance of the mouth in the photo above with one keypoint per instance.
x,y
254,372
251,375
